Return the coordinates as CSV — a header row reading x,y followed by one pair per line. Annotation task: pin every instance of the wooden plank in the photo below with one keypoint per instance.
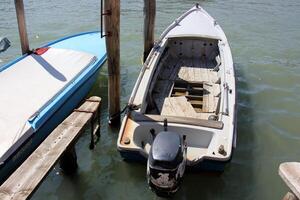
x,y
210,99
149,22
174,119
212,76
203,116
290,174
177,106
22,26
112,27
195,70
40,162
289,196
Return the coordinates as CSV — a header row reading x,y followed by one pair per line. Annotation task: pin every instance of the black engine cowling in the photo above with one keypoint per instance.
x,y
166,163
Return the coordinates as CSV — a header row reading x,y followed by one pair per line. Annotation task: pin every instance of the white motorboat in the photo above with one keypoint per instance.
x,y
185,97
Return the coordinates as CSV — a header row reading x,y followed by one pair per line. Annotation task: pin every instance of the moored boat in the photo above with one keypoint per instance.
x,y
40,89
182,111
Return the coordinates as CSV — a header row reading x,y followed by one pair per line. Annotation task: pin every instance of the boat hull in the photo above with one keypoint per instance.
x,y
188,80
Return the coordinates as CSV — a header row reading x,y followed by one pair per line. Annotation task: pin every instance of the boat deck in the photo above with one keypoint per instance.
x,y
185,87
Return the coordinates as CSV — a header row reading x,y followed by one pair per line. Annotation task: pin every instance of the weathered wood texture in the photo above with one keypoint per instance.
x,y
189,71
112,28
174,119
289,196
210,97
196,70
290,173
26,179
22,26
149,23
177,106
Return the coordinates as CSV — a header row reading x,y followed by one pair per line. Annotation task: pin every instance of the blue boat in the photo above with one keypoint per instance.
x,y
40,89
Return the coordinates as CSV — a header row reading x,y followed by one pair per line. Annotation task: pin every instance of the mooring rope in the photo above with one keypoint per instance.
x,y
126,108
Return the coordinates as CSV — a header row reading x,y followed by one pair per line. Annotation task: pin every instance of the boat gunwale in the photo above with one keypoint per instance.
x,y
9,64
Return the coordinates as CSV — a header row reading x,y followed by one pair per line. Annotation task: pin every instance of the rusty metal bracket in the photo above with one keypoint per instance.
x,y
95,123
107,13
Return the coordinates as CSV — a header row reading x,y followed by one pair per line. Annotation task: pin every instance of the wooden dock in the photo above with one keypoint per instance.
x,y
60,144
290,174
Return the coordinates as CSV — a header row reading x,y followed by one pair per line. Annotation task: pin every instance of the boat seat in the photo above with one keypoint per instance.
x,y
195,70
138,117
178,106
203,97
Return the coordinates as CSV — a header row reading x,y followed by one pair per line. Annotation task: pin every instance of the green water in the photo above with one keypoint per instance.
x,y
265,39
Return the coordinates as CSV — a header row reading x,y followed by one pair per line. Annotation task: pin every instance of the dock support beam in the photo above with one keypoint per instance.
x,y
149,23
22,26
290,173
112,28
290,196
59,145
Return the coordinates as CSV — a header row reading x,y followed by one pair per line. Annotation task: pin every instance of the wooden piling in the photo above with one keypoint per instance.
x,y
112,29
22,26
149,23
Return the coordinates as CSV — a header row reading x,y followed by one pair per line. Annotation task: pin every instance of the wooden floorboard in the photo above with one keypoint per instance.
x,y
187,70
26,179
290,174
177,106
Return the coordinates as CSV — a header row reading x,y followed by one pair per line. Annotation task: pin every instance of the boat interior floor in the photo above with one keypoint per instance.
x,y
185,87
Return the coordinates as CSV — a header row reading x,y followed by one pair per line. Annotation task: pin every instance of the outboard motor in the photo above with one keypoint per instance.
x,y
4,44
166,162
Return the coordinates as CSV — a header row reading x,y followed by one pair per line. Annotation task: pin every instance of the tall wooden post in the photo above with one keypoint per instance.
x,y
149,22
22,26
112,29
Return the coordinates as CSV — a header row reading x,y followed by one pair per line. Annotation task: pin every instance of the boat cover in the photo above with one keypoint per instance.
x,y
30,84
197,24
